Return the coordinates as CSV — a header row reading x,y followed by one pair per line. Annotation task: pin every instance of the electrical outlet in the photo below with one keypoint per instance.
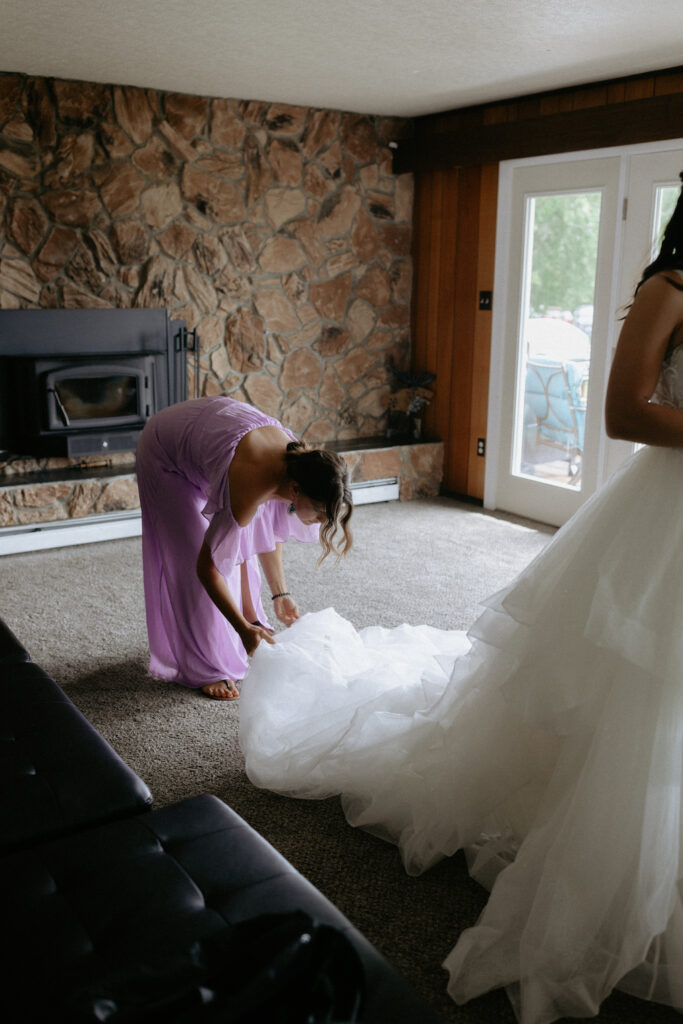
x,y
481,446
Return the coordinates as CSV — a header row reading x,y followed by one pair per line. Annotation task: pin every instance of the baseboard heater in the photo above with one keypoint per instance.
x,y
65,532
367,491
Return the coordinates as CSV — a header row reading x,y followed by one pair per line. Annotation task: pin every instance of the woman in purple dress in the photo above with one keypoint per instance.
x,y
222,484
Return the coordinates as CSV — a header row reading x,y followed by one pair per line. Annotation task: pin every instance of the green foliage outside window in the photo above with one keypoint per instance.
x,y
565,248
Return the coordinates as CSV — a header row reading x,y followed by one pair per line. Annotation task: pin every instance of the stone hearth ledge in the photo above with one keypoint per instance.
x,y
33,504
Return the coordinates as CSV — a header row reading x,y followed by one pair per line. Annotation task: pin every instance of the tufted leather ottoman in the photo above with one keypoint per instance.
x,y
57,774
88,913
11,650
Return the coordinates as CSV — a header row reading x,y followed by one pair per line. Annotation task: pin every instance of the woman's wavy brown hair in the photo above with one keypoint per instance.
x,y
323,478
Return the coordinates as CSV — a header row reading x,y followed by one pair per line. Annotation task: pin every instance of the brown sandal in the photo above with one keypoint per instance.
x,y
226,683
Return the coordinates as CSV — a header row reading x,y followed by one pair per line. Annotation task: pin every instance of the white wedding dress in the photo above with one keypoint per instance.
x,y
548,742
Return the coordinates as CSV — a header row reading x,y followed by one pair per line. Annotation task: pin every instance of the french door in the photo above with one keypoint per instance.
x,y
573,237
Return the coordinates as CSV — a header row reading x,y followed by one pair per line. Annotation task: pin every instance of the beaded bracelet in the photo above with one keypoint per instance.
x,y
285,593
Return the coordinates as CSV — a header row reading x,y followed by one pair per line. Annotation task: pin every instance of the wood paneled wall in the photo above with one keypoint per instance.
x,y
453,261
455,228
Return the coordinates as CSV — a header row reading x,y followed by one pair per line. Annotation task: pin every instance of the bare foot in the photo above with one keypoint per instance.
x,y
224,689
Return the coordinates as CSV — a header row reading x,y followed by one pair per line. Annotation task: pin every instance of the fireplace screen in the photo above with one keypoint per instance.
x,y
85,406
113,396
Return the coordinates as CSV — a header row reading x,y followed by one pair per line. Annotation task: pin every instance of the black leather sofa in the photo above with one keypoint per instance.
x,y
116,911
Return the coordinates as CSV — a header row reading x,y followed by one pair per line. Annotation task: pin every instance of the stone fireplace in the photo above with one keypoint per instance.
x,y
280,233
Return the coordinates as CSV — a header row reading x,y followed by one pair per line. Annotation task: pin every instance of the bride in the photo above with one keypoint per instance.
x,y
548,741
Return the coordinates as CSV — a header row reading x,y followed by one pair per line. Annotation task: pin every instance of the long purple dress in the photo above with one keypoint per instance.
x,y
183,458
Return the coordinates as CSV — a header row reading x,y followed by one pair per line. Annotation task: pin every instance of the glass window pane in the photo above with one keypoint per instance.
x,y
665,201
554,345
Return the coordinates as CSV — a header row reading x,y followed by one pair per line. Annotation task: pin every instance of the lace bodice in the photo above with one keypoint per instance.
x,y
669,390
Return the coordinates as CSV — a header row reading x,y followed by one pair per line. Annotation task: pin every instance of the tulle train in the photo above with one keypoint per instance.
x,y
548,743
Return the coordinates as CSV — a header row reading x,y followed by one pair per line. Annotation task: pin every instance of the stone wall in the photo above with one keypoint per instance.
x,y
279,232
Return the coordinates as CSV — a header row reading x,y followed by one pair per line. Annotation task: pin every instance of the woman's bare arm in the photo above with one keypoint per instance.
x,y
285,607
219,592
273,569
656,312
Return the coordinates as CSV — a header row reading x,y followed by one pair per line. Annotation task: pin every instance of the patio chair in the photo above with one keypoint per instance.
x,y
556,401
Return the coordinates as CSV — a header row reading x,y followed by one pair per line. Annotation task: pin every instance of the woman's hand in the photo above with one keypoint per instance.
x,y
252,635
286,610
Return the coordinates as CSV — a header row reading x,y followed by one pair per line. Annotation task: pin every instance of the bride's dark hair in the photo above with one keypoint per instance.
x,y
670,255
323,478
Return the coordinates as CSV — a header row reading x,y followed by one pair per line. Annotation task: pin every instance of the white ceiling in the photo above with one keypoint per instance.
x,y
390,57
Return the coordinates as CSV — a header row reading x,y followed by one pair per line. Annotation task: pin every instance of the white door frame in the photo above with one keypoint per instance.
x,y
501,286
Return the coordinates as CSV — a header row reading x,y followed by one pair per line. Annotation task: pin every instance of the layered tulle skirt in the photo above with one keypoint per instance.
x,y
547,742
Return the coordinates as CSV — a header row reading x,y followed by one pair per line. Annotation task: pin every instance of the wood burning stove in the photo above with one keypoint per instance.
x,y
84,382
